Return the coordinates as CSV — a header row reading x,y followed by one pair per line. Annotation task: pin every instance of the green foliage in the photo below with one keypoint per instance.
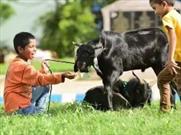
x,y
78,119
54,66
3,68
6,11
72,21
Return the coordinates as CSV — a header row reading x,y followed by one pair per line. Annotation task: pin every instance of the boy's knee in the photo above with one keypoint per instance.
x,y
47,88
44,89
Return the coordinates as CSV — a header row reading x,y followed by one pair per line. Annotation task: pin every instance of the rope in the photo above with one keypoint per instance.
x,y
50,88
61,61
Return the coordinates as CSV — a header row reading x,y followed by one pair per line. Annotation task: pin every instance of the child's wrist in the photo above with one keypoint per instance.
x,y
63,77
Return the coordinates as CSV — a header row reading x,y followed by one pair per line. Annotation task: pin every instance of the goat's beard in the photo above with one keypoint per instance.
x,y
82,66
84,69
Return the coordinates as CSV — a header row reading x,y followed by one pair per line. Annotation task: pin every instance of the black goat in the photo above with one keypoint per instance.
x,y
97,97
131,94
114,53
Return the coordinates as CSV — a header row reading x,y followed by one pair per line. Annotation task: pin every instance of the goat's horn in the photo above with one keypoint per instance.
x,y
76,44
140,80
97,47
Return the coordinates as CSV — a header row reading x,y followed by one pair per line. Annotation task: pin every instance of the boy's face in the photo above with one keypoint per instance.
x,y
29,51
160,9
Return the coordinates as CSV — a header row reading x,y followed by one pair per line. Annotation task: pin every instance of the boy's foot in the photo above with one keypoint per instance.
x,y
164,110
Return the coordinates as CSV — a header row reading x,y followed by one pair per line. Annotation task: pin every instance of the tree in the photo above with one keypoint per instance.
x,y
72,21
6,11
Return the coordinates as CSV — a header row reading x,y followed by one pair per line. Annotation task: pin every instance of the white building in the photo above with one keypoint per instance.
x,y
123,15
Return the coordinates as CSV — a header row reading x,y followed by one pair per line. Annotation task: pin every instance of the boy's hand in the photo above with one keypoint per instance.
x,y
69,75
44,67
172,66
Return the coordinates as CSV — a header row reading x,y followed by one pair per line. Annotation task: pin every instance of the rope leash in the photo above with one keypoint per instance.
x,y
60,61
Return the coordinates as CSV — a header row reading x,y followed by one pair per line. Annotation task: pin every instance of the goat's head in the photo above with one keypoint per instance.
x,y
84,58
143,90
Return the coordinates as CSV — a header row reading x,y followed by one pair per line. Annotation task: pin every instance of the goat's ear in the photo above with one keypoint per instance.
x,y
76,44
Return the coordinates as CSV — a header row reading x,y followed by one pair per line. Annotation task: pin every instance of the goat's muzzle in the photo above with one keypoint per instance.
x,y
81,66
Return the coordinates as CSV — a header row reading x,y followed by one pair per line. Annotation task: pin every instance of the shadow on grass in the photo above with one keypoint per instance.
x,y
83,108
58,108
74,107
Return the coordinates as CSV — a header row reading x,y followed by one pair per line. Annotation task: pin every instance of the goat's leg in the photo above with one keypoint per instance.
x,y
109,96
119,101
108,86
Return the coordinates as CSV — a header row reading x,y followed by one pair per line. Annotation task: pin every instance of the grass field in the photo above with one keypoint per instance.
x,y
76,119
55,66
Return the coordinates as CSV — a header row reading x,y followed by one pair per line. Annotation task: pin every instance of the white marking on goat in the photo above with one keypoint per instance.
x,y
96,66
98,49
143,32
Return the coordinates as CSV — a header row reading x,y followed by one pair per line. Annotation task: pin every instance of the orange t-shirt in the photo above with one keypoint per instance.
x,y
20,78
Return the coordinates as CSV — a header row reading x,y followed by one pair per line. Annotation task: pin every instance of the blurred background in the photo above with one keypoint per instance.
x,y
58,23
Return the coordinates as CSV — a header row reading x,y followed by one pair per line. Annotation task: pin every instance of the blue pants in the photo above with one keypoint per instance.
x,y
40,96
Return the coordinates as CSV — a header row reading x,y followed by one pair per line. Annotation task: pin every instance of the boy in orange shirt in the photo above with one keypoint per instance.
x,y
26,90
171,20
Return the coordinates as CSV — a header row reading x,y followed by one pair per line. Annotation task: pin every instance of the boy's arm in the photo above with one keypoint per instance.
x,y
172,43
171,65
32,77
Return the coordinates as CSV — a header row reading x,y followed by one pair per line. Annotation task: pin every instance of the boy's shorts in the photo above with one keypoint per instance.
x,y
40,96
177,79
30,110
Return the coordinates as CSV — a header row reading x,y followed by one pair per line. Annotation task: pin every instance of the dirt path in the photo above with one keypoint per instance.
x,y
81,86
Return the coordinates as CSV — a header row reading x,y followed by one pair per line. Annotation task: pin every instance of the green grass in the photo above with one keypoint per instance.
x,y
3,68
76,119
54,66
57,66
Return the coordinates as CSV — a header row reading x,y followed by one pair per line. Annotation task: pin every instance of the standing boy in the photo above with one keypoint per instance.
x,y
26,90
171,20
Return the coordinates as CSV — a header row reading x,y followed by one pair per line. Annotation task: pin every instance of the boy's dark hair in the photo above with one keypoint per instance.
x,y
170,2
22,39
